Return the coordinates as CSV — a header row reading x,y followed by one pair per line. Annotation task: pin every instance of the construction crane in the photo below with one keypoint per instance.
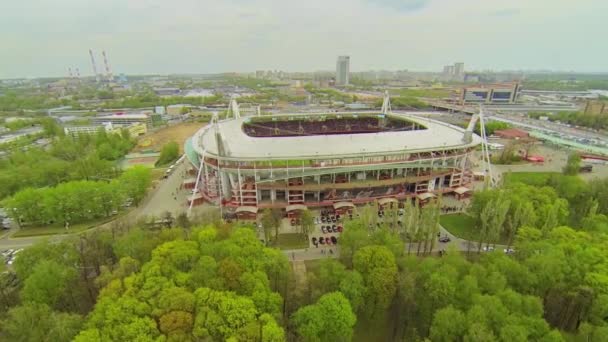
x,y
109,75
97,78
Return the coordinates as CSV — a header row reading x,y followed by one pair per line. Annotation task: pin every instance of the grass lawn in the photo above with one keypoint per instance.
x,y
530,178
60,229
422,92
292,241
463,226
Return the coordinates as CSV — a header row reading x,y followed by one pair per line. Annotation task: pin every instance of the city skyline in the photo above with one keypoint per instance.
x,y
188,36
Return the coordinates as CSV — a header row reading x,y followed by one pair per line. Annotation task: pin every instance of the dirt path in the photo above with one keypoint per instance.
x,y
299,270
178,133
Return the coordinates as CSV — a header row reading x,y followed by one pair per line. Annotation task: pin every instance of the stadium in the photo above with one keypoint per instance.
x,y
337,160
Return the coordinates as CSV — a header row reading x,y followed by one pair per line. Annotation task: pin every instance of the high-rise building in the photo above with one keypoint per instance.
x,y
459,69
342,70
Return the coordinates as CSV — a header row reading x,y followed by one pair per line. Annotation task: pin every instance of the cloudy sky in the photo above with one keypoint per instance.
x,y
45,37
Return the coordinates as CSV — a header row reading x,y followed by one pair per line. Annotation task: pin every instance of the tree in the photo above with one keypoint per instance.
x,y
167,219
308,223
168,153
449,324
573,164
353,288
329,319
37,322
182,220
135,182
271,219
354,237
377,266
47,283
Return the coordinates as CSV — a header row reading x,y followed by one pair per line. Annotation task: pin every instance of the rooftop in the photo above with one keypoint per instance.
x,y
239,145
123,116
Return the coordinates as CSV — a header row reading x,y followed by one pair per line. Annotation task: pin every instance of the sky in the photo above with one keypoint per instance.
x,y
46,37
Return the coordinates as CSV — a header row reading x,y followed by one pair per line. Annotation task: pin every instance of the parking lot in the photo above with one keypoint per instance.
x,y
10,255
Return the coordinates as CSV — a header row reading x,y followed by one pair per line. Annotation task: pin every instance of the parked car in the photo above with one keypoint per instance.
x,y
340,229
322,240
488,249
327,241
444,239
314,240
323,229
334,240
509,250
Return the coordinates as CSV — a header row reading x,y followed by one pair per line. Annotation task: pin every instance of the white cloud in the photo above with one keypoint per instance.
x,y
41,37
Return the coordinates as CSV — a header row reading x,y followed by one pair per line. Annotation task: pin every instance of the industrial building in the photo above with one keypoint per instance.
x,y
135,129
342,70
333,159
490,93
120,119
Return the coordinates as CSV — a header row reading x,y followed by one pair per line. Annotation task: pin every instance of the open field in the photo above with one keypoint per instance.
x,y
292,241
420,92
178,133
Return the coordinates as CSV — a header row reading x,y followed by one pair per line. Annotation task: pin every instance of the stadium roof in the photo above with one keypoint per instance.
x,y
239,145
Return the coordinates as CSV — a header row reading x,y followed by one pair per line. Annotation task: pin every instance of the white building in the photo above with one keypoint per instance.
x,y
342,70
122,119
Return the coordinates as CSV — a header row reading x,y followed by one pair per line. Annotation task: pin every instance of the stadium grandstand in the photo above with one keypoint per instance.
x,y
297,161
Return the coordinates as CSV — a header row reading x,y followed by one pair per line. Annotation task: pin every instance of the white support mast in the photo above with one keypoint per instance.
x,y
386,104
196,184
485,151
233,108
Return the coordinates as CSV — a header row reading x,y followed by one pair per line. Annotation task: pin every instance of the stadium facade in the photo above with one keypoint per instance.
x,y
318,160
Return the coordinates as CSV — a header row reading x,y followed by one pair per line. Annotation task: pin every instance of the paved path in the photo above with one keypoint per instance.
x,y
322,252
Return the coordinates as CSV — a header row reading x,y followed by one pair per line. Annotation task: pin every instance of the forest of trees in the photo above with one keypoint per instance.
x,y
575,118
217,281
78,201
85,157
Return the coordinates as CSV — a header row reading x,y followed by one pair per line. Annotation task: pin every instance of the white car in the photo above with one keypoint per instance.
x,y
488,249
509,250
